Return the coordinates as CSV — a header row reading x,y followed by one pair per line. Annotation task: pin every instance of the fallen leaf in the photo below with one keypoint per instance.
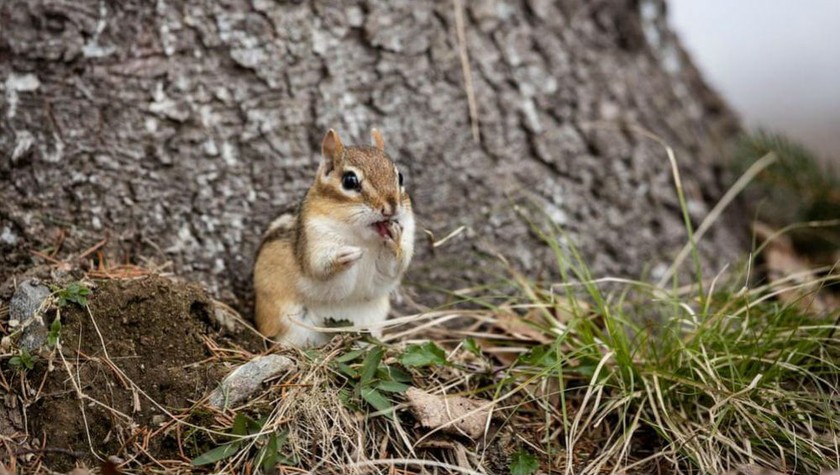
x,y
452,414
783,261
524,327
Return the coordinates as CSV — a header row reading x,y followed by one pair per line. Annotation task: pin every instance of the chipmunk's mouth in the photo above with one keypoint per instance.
x,y
383,228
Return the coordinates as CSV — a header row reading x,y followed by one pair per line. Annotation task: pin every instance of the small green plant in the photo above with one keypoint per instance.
x,y
24,361
269,446
523,463
471,346
55,331
370,379
427,354
75,292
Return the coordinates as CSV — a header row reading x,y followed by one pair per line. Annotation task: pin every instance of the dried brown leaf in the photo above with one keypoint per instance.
x,y
522,327
452,414
782,262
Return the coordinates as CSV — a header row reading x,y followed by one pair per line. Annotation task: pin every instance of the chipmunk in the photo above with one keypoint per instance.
x,y
339,257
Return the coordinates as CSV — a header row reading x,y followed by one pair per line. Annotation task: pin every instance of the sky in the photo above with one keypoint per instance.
x,y
777,62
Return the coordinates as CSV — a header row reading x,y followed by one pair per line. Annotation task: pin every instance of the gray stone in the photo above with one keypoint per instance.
x,y
28,298
35,334
239,385
25,310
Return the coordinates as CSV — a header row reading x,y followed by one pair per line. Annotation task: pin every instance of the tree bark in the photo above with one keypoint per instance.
x,y
179,129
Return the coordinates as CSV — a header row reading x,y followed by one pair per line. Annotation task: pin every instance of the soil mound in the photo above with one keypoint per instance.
x,y
141,349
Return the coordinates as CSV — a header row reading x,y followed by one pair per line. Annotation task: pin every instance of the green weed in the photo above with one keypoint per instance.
x,y
247,433
74,292
23,361
368,379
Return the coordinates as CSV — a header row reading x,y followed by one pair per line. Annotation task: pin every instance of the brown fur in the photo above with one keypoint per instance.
x,y
275,274
283,255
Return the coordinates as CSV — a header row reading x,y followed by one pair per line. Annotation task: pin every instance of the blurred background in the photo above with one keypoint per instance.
x,y
777,63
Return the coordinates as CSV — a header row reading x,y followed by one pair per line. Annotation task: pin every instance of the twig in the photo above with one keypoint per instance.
x,y
466,70
45,257
92,249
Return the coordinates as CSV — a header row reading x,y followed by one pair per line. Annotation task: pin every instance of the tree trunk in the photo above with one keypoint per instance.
x,y
179,129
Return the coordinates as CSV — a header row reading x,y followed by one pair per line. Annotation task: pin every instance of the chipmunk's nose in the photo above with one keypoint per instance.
x,y
389,208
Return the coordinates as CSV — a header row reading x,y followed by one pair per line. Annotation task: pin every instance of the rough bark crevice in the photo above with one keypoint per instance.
x,y
181,129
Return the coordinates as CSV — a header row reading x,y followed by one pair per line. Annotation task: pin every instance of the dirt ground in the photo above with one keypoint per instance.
x,y
133,356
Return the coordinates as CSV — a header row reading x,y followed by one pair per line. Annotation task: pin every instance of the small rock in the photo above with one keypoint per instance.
x,y
28,297
24,310
453,414
35,334
246,379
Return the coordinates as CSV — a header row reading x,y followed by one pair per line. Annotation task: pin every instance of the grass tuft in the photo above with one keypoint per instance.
x,y
705,382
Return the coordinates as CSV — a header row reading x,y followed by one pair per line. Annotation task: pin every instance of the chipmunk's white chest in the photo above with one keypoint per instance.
x,y
370,278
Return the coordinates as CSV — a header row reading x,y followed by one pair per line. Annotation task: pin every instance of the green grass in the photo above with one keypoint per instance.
x,y
710,380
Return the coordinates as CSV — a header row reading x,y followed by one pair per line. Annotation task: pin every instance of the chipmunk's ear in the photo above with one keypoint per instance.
x,y
332,150
377,139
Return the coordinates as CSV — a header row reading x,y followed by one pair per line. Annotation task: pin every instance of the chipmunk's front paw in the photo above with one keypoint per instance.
x,y
347,255
393,242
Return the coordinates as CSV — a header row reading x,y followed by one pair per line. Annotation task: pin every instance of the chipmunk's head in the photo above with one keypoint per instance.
x,y
361,186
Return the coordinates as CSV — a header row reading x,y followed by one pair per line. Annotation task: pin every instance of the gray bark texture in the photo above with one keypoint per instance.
x,y
179,129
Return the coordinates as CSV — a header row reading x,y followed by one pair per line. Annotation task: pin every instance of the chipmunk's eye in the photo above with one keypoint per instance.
x,y
350,181
400,178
